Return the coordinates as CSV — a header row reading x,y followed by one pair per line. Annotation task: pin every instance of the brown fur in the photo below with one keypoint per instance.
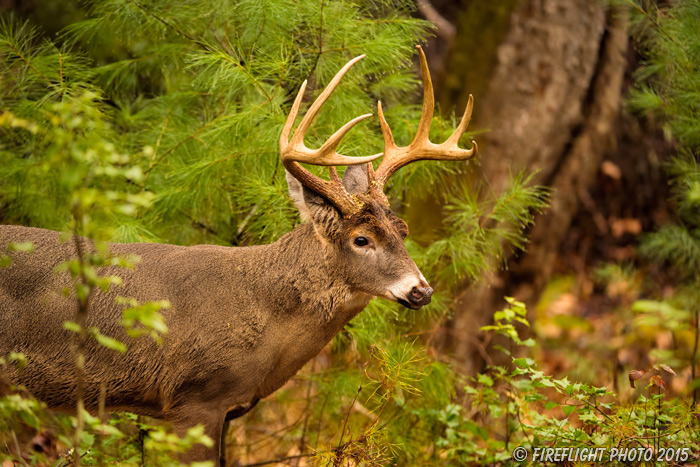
x,y
242,322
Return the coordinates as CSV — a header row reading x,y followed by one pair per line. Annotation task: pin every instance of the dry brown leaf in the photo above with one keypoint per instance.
x,y
619,227
635,375
667,369
611,170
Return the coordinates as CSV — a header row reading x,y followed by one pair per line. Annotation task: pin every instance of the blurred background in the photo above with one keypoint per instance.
x,y
582,206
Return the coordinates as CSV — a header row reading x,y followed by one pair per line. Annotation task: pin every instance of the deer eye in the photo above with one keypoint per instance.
x,y
361,241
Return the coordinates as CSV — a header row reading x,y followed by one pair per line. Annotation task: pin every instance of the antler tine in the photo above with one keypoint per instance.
x,y
332,143
426,116
389,142
295,151
463,123
421,148
284,137
321,99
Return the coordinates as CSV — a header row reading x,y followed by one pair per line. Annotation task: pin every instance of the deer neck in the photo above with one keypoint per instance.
x,y
310,282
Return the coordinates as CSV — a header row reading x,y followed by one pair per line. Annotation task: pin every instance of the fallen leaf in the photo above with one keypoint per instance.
x,y
619,227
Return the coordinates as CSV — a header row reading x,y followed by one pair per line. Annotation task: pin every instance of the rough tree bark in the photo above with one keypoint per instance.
x,y
551,104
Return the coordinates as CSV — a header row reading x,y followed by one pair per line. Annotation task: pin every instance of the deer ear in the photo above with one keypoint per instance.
x,y
314,207
326,218
355,179
296,192
324,215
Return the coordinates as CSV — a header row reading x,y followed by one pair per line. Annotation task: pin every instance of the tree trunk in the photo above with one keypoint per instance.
x,y
551,103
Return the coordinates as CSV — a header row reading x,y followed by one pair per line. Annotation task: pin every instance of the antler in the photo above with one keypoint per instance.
x,y
294,151
421,148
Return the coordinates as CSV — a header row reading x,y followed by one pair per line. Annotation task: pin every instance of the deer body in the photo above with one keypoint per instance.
x,y
242,320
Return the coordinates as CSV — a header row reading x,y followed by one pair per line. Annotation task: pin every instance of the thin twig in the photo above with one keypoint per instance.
x,y
693,358
308,454
30,64
60,72
651,437
595,406
281,459
103,419
306,411
656,422
19,450
72,462
445,29
171,26
230,59
320,419
200,224
655,23
178,144
155,150
81,321
201,44
320,50
347,417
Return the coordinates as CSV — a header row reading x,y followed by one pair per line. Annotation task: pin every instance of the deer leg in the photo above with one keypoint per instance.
x,y
234,413
212,420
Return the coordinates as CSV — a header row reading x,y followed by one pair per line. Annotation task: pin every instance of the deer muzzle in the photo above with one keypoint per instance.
x,y
412,292
420,296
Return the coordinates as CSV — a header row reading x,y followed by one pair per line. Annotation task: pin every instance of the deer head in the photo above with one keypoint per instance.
x,y
352,216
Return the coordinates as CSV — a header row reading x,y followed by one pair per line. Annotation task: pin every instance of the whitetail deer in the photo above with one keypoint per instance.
x,y
243,320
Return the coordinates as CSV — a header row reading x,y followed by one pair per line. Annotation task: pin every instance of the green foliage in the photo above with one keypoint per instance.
x,y
520,405
504,323
121,440
70,136
668,87
668,80
648,335
207,108
482,230
159,121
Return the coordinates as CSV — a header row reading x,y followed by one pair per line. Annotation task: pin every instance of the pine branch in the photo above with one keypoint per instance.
x,y
170,26
28,62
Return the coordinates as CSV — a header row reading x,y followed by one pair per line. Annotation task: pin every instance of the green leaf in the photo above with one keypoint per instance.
x,y
71,326
547,382
26,247
484,379
476,429
522,321
109,430
523,362
107,341
19,358
589,417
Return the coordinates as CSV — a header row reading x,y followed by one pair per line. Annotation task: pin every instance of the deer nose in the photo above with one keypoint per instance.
x,y
420,295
